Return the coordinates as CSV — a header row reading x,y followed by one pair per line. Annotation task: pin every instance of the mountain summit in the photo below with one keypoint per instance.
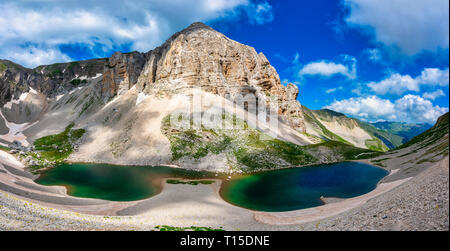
x,y
125,109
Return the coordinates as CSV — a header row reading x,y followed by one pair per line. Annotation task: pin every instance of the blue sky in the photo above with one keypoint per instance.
x,y
374,60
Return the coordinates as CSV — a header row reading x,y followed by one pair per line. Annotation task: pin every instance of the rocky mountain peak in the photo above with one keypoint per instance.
x,y
201,57
196,26
197,56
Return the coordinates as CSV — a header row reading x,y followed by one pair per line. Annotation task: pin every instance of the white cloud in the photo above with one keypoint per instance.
x,y
433,95
260,13
415,108
327,69
395,84
331,90
296,59
434,76
410,108
36,56
398,84
409,25
371,106
33,27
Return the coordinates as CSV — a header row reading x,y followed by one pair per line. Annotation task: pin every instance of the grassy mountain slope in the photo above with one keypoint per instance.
x,y
247,149
418,154
329,125
389,139
323,133
325,125
438,131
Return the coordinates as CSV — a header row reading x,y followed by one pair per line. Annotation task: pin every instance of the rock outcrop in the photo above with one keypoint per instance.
x,y
63,77
50,80
202,57
15,80
121,72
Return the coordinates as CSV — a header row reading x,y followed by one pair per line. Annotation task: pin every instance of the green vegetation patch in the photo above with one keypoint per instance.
x,y
57,147
192,182
3,67
389,139
339,151
264,152
4,148
431,136
191,228
376,144
249,149
194,143
77,82
244,147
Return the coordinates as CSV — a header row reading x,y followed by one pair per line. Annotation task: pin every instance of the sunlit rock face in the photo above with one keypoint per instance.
x,y
202,57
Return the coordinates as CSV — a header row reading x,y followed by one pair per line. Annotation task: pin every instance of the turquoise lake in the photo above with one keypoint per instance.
x,y
275,191
299,188
114,183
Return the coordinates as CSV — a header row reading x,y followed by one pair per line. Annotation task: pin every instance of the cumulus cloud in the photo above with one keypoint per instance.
x,y
398,84
395,84
371,107
411,26
41,27
416,109
434,76
326,68
433,95
35,56
410,108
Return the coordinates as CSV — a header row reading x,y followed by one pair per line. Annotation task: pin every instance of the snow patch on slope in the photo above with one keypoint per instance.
x,y
140,98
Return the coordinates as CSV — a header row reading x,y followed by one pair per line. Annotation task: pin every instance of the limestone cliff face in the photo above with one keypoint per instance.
x,y
15,80
202,57
121,72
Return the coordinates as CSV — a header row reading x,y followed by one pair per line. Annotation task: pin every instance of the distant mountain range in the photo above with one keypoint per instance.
x,y
405,130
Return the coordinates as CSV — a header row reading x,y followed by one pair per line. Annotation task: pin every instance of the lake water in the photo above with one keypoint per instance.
x,y
279,190
111,182
298,188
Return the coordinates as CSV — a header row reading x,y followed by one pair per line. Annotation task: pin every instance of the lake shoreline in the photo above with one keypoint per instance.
x,y
112,208
185,208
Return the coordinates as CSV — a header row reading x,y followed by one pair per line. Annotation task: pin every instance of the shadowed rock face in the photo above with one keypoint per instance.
x,y
51,80
3,128
121,73
15,80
